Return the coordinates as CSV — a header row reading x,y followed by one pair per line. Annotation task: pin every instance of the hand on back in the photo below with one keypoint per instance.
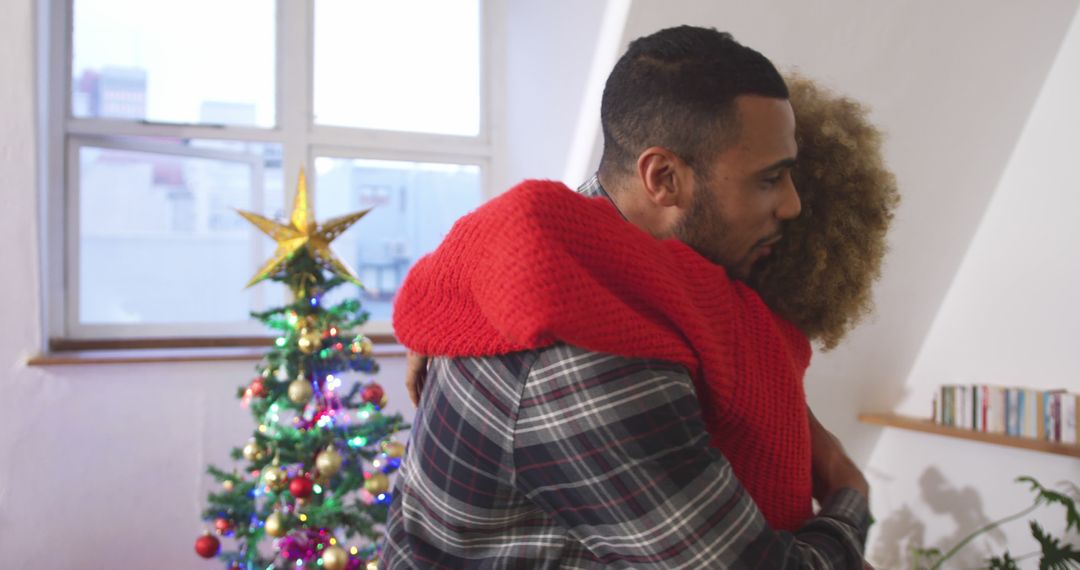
x,y
832,468
415,375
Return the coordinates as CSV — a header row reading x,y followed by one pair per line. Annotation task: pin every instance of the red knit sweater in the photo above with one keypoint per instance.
x,y
541,264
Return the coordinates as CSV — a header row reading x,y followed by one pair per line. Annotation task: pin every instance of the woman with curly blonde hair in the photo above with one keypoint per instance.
x,y
820,276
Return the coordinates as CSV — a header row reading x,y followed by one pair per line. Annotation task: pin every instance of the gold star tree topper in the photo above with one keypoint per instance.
x,y
302,231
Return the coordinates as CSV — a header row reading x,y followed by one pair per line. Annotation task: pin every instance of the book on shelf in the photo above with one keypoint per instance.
x,y
1048,415
1012,411
995,411
1068,419
984,400
1032,414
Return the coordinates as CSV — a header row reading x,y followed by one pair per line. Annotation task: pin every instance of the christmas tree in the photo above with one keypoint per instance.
x,y
316,468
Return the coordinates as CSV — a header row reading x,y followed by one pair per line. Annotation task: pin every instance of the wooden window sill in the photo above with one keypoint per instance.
x,y
65,352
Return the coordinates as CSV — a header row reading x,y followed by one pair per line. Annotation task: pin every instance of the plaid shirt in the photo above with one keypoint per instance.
x,y
592,188
565,458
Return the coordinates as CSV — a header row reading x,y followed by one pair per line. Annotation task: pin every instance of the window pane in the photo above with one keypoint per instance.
x,y
415,204
407,65
198,61
159,241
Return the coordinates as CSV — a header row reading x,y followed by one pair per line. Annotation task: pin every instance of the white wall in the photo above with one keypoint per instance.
x,y
548,53
1010,317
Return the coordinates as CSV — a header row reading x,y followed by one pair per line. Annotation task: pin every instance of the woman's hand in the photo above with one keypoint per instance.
x,y
415,375
832,467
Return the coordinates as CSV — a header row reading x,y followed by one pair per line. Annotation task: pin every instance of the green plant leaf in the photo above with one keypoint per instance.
x,y
1004,562
1055,555
1048,496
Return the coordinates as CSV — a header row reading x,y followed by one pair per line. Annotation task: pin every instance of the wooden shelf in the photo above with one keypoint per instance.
x,y
928,426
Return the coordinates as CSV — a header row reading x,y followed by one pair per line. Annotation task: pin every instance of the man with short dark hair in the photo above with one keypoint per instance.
x,y
680,103
565,429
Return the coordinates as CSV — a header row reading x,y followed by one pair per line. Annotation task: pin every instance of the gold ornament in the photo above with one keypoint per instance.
x,y
309,341
300,391
302,231
365,346
328,462
372,564
252,452
276,478
227,485
335,558
377,483
393,448
275,525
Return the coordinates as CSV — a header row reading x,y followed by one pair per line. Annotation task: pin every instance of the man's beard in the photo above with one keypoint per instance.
x,y
703,228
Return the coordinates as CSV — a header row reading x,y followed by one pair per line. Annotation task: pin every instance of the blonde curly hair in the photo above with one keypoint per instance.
x,y
820,276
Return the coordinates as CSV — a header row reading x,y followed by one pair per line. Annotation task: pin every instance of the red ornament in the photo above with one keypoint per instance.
x,y
373,394
223,525
207,546
301,487
258,389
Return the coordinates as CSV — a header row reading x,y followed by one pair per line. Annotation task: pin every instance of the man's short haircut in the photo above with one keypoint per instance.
x,y
676,89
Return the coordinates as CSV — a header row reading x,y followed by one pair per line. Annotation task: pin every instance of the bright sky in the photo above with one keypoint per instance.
x,y
420,75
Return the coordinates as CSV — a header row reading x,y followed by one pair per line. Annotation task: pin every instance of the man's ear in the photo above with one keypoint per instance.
x,y
668,181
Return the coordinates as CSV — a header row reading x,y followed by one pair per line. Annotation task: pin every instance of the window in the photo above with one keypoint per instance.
x,y
165,117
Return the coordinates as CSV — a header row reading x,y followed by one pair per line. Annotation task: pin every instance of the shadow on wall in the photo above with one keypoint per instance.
x,y
902,532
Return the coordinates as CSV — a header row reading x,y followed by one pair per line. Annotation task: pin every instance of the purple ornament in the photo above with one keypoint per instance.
x,y
303,544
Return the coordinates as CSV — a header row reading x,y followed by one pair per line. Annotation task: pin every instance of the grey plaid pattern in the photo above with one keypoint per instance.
x,y
593,188
565,458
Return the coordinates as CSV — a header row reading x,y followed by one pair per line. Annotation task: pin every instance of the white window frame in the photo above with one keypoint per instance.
x,y
301,140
